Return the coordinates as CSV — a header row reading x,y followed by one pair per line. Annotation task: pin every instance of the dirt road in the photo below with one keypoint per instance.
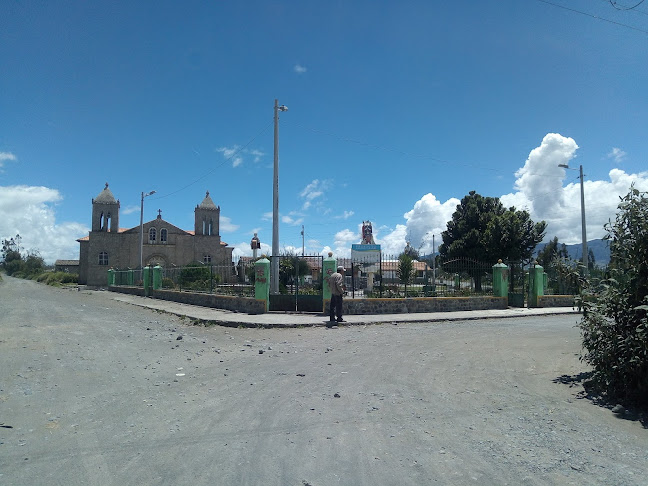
x,y
98,392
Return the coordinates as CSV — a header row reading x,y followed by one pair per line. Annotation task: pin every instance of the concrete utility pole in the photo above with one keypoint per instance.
x,y
142,228
583,227
274,269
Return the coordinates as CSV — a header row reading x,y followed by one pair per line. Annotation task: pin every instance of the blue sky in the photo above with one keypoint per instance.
x,y
396,111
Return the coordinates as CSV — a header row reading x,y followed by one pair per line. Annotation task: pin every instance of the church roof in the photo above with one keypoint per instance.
x,y
207,203
105,196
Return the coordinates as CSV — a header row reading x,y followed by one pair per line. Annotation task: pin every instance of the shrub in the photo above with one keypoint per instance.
x,y
615,326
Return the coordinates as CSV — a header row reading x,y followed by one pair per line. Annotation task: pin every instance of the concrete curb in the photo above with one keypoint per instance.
x,y
218,317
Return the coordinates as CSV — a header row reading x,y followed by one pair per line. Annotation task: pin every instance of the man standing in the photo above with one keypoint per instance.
x,y
336,284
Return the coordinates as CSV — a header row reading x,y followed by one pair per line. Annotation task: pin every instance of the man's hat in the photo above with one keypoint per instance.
x,y
341,268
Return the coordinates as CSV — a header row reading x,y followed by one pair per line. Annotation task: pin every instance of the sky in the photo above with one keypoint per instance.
x,y
396,110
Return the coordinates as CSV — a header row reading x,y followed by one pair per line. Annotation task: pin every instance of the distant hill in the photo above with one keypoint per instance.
x,y
600,248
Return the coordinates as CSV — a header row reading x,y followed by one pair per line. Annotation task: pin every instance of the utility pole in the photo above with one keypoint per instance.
x,y
583,228
142,228
433,263
302,235
274,268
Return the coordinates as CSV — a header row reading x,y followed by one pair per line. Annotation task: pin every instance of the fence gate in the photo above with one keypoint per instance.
x,y
517,284
300,284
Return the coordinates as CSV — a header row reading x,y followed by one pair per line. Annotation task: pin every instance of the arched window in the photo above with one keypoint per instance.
x,y
206,258
103,258
210,229
163,235
152,235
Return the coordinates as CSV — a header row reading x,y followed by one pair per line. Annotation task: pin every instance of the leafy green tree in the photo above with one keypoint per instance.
x,y
482,229
405,271
11,255
291,267
550,252
615,326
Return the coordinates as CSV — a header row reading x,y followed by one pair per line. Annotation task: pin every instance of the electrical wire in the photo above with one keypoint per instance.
x,y
594,16
614,4
411,154
218,166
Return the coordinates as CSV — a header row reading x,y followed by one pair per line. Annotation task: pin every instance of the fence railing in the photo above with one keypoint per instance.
x,y
378,279
389,277
215,279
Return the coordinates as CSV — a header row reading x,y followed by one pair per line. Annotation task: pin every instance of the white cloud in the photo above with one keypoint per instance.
x,y
29,211
299,69
393,243
342,242
617,154
313,191
4,156
540,180
226,225
129,209
346,215
235,154
428,217
244,249
292,221
541,192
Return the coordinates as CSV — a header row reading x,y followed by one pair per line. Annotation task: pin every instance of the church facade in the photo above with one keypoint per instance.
x,y
109,246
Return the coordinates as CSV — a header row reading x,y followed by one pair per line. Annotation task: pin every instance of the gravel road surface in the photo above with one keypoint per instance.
x,y
95,391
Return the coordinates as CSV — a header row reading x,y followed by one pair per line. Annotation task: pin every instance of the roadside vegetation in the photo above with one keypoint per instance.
x,y
615,325
16,262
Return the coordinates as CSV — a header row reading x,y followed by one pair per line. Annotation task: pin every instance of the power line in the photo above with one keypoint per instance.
x,y
234,154
411,154
623,7
594,16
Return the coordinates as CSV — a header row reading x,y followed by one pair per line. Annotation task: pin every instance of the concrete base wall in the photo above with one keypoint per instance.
x,y
227,302
556,301
419,304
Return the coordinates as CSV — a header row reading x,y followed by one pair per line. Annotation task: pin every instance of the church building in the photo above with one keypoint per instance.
x,y
109,246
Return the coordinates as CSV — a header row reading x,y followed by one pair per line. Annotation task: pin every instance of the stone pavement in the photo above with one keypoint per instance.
x,y
286,319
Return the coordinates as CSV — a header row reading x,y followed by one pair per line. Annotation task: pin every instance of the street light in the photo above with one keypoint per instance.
x,y
274,270
142,228
584,230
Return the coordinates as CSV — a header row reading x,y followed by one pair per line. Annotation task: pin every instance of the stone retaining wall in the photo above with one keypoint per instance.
x,y
419,304
555,301
234,303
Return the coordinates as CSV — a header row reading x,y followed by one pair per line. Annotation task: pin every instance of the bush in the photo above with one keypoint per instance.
x,y
615,326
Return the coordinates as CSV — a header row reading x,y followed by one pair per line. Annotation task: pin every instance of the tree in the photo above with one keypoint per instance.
x,y
615,326
550,252
11,254
292,267
482,229
405,271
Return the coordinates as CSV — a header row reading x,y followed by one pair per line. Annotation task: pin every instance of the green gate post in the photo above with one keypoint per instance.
x,y
111,277
157,277
536,284
130,277
262,281
146,280
500,279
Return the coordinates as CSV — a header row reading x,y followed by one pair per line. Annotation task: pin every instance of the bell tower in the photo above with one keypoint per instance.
x,y
105,212
207,217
